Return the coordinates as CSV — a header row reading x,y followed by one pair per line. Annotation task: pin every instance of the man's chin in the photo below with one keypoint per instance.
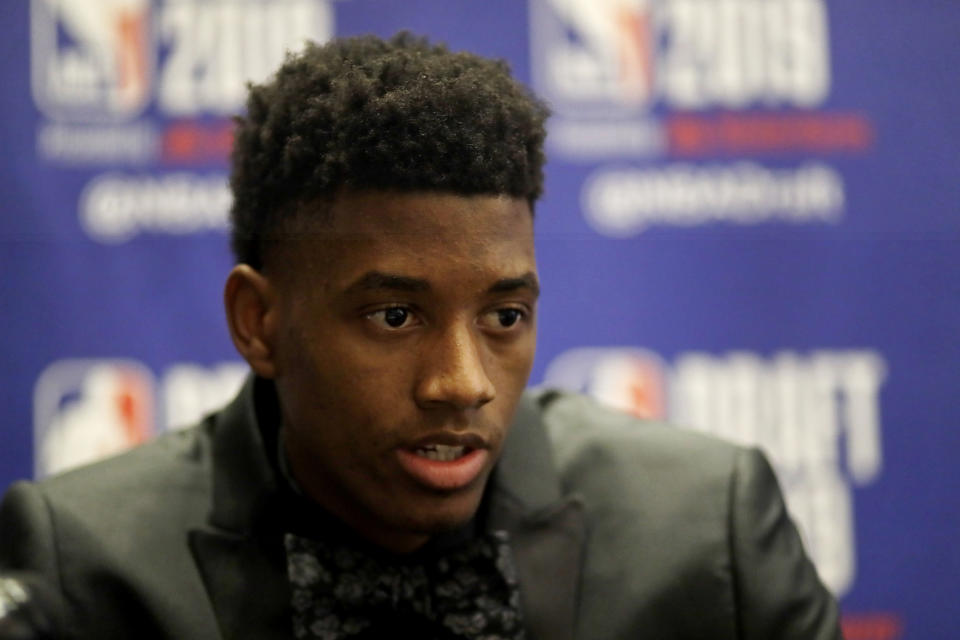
x,y
442,514
452,515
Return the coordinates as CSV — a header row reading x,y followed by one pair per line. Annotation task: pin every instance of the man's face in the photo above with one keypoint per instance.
x,y
405,334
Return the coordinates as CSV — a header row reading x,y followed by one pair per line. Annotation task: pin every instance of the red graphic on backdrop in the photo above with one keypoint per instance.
x,y
760,133
872,626
192,142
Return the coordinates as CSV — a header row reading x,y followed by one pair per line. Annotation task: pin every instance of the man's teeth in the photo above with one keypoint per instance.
x,y
440,452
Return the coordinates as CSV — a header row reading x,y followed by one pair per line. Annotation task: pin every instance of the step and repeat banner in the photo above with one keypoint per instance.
x,y
751,228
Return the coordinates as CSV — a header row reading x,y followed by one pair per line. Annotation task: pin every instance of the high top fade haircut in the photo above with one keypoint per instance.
x,y
368,114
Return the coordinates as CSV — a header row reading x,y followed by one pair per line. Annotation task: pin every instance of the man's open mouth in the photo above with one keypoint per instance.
x,y
441,452
445,461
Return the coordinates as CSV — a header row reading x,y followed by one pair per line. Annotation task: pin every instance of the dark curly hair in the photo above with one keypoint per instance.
x,y
365,113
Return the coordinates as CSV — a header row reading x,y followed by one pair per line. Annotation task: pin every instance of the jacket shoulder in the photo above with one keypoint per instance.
x,y
111,537
680,520
127,485
120,504
185,449
595,446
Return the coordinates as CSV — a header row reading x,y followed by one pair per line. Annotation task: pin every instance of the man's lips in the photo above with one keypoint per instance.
x,y
445,461
450,439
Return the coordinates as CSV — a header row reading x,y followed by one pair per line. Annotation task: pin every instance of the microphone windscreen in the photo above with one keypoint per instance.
x,y
30,609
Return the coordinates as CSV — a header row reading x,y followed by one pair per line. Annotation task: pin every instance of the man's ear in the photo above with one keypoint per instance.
x,y
251,305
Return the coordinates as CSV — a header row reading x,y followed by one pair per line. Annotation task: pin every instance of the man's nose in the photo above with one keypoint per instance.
x,y
452,372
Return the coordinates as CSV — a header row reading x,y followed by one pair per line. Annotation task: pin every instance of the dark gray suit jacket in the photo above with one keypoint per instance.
x,y
620,529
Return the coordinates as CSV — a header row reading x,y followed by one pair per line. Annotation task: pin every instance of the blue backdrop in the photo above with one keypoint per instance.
x,y
750,227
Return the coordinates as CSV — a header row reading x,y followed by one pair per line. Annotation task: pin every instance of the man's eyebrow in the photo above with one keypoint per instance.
x,y
374,280
526,281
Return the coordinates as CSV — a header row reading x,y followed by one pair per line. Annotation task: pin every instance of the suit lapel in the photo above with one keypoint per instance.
x,y
547,530
240,554
248,590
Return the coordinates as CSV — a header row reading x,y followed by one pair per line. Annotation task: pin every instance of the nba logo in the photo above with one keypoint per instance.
x,y
85,410
628,379
90,61
593,57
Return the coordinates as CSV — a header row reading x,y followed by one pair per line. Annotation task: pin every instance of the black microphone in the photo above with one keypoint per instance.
x,y
29,608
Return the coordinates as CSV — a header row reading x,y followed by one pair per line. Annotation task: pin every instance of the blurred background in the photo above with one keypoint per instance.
x,y
750,228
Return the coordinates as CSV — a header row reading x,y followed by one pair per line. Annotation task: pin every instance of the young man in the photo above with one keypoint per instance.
x,y
383,473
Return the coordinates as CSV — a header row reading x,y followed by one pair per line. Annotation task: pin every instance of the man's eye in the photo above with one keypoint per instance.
x,y
393,317
509,317
503,318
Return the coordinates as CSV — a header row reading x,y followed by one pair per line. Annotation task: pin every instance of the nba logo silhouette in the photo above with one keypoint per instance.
x,y
625,378
629,380
85,410
91,61
593,57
